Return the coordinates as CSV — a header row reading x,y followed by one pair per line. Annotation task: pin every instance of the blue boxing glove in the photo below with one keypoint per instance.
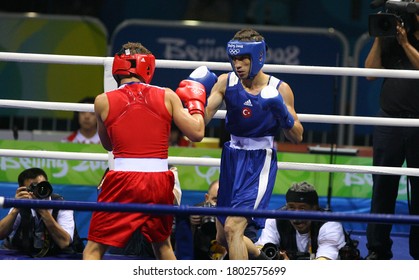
x,y
270,99
204,76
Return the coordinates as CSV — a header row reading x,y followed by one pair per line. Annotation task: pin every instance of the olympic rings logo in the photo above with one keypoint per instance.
x,y
234,51
208,175
197,91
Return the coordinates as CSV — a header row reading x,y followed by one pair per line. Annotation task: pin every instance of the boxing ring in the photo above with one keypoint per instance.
x,y
185,209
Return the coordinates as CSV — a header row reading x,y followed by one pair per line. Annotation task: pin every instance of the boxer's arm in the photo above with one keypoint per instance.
x,y
192,126
101,106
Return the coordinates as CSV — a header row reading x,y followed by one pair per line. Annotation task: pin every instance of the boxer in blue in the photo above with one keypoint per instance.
x,y
258,106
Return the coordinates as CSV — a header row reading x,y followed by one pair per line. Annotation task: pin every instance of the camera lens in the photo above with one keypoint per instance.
x,y
270,250
208,225
41,190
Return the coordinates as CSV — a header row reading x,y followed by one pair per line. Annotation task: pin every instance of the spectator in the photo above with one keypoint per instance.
x,y
85,126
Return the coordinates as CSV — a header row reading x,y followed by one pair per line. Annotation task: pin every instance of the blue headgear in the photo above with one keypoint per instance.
x,y
256,51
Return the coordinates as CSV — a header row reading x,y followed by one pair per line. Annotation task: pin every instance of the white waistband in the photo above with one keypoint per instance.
x,y
249,143
141,164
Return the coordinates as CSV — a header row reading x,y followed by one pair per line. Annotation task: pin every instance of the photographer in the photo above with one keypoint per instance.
x,y
35,231
393,145
203,227
302,239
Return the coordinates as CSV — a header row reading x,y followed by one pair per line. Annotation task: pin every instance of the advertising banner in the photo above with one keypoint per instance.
x,y
195,178
59,35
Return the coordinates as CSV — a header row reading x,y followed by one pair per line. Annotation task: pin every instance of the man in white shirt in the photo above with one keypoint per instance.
x,y
38,232
302,239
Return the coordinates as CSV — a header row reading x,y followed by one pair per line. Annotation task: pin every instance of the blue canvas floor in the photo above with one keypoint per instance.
x,y
400,245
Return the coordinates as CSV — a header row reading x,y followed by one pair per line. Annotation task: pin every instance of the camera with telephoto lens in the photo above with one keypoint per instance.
x,y
384,24
208,222
271,251
40,190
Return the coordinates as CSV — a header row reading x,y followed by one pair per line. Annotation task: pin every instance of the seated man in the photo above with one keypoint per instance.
x,y
302,239
38,232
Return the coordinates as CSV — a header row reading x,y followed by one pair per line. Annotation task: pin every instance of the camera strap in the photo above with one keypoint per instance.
x,y
45,246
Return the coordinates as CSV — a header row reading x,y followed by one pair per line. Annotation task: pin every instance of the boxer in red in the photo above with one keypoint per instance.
x,y
134,123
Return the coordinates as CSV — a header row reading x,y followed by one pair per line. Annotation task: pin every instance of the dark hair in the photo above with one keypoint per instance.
x,y
134,47
248,35
75,125
302,192
30,173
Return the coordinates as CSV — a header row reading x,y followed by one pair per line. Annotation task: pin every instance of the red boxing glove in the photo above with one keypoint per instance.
x,y
193,96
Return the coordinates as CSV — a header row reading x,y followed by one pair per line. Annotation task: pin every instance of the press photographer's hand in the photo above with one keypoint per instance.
x,y
22,193
283,255
43,213
401,35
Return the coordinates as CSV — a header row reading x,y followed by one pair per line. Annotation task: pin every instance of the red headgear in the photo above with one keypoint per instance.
x,y
127,64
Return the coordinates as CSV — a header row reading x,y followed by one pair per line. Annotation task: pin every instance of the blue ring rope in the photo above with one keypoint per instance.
x,y
220,211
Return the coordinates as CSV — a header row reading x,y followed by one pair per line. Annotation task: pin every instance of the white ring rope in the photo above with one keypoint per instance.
x,y
316,70
331,119
42,105
296,69
179,64
316,167
52,58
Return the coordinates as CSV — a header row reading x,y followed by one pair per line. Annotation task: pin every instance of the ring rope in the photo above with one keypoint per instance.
x,y
54,106
331,119
165,209
185,209
215,162
178,64
52,58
